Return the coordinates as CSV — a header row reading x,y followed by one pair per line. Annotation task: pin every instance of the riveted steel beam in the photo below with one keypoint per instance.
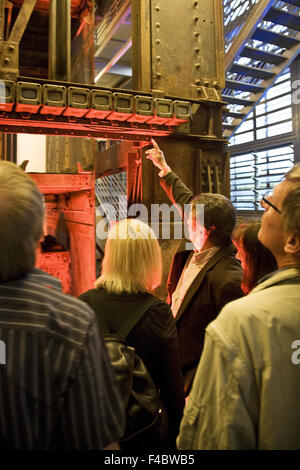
x,y
60,40
141,45
9,50
22,21
84,110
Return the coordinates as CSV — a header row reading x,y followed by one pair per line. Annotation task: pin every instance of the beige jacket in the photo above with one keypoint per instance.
x,y
246,393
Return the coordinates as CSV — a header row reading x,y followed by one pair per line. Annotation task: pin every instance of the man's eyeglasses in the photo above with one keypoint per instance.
x,y
265,202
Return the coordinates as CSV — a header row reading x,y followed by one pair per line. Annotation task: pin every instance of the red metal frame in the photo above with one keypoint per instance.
x,y
43,5
74,197
80,127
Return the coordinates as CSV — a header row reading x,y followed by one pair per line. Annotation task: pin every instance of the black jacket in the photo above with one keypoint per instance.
x,y
154,338
217,283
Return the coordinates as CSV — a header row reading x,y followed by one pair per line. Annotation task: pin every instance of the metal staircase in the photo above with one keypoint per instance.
x,y
262,38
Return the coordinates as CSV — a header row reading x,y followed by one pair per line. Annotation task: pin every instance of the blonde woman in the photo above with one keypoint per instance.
x,y
131,271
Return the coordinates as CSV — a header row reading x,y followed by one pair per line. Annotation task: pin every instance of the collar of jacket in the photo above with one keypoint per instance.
x,y
278,277
223,251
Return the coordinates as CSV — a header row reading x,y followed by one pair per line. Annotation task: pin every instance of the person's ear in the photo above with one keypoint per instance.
x,y
292,243
206,233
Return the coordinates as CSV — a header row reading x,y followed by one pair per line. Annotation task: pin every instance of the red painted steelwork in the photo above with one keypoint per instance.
x,y
58,264
69,200
72,126
43,6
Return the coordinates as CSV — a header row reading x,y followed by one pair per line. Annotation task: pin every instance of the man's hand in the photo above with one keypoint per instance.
x,y
157,156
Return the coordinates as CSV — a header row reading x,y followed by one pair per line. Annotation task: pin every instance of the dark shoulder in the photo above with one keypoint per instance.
x,y
227,261
42,287
93,295
68,318
161,308
160,318
86,296
227,270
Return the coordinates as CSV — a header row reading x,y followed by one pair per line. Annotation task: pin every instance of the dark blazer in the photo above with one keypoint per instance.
x,y
154,338
217,283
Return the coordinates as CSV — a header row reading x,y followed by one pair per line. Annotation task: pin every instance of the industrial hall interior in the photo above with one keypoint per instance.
x,y
150,226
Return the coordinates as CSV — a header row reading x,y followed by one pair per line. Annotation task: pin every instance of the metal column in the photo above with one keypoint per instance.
x,y
60,40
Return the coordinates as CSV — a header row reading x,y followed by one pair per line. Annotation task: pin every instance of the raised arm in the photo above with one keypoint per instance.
x,y
157,157
175,189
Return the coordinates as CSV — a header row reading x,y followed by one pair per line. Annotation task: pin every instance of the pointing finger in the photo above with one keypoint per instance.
x,y
155,145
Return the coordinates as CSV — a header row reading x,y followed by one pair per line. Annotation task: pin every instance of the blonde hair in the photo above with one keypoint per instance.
x,y
132,260
21,221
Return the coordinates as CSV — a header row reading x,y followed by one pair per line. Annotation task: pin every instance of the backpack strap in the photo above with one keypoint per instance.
x,y
135,317
96,303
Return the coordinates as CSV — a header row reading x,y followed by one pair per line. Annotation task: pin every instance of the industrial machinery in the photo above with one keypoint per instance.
x,y
47,60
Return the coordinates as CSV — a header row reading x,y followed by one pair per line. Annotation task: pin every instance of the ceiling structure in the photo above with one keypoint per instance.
x,y
252,30
40,98
112,39
77,6
262,38
34,44
113,46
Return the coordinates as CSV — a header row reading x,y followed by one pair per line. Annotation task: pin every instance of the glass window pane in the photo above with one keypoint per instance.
x,y
252,174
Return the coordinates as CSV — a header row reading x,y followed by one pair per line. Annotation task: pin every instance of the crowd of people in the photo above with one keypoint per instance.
x,y
219,349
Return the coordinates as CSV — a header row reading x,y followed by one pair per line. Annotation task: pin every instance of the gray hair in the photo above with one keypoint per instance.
x,y
291,201
219,217
21,221
293,174
291,211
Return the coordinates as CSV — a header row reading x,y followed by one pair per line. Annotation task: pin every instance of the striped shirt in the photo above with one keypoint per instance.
x,y
57,386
